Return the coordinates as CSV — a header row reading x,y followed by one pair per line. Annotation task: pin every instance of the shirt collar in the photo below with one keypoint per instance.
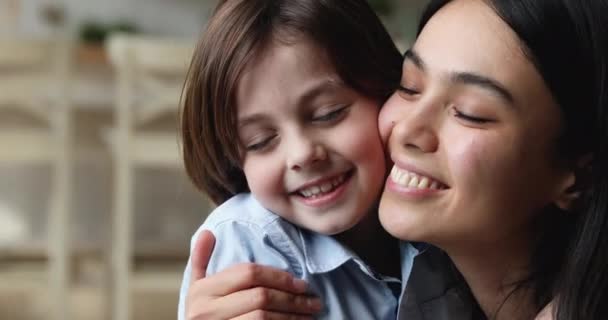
x,y
421,247
409,251
324,253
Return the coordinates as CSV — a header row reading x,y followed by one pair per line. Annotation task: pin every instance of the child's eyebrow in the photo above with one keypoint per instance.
x,y
250,119
326,86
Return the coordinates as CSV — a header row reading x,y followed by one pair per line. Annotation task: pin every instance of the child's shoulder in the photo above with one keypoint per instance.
x,y
242,208
243,216
247,232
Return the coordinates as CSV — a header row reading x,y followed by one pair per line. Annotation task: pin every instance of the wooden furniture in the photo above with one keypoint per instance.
x,y
34,84
150,73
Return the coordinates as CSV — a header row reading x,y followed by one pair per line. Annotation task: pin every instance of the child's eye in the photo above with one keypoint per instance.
x,y
260,144
331,116
470,118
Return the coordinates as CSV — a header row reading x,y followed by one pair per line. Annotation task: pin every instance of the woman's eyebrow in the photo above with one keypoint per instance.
x,y
412,56
483,82
467,78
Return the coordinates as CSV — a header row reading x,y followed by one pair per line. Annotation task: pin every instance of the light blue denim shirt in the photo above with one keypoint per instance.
x,y
349,289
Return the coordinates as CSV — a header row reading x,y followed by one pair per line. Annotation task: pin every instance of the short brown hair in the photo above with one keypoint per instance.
x,y
353,38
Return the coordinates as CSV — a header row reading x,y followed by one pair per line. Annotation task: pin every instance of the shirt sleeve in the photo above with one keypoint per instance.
x,y
239,242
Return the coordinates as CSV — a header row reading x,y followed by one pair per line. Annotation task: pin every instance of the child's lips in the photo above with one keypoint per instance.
x,y
327,182
325,193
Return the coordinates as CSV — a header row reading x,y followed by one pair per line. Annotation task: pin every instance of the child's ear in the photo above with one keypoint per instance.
x,y
574,183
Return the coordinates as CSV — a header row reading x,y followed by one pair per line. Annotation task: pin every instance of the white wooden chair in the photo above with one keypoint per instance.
x,y
34,84
149,77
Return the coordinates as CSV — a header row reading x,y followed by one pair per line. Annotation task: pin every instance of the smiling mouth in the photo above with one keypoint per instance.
x,y
413,180
323,188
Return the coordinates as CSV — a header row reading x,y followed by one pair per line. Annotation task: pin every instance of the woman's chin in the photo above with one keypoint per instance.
x,y
397,222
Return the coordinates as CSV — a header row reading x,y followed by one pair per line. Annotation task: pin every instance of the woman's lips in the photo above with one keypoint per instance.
x,y
412,180
412,184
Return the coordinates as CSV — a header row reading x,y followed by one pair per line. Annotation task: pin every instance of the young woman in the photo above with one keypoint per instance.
x,y
504,105
510,122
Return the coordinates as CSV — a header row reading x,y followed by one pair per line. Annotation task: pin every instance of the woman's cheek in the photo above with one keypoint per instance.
x,y
478,161
387,120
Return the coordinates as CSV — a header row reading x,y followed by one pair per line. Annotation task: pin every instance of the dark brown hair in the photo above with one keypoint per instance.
x,y
348,31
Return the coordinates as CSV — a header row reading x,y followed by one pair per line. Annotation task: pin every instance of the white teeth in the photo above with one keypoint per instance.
x,y
322,188
403,178
423,183
326,187
412,180
336,182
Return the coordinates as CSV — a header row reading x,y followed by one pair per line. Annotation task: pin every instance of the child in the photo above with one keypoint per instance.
x,y
280,129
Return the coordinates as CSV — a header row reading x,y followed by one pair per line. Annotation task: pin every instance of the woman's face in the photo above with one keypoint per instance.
x,y
471,134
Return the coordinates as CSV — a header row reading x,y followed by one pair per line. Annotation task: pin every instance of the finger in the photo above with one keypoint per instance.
x,y
201,254
249,275
260,298
269,315
249,300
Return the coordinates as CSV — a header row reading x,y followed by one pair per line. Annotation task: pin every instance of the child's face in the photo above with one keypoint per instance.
x,y
478,125
311,149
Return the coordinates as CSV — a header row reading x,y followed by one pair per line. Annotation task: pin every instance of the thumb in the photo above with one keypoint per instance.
x,y
201,255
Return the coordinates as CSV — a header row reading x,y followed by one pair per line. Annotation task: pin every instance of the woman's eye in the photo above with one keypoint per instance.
x,y
406,93
330,116
470,118
259,144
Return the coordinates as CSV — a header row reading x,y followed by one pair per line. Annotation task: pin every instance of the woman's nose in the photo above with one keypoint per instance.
x,y
416,129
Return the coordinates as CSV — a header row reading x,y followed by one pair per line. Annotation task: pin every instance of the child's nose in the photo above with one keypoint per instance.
x,y
303,152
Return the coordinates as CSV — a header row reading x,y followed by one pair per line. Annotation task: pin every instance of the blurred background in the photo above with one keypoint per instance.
x,y
96,213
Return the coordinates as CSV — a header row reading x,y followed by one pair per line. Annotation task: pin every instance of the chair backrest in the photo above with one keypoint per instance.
x,y
15,53
32,74
151,73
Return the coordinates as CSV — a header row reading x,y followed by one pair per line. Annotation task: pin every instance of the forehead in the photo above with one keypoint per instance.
x,y
280,73
467,35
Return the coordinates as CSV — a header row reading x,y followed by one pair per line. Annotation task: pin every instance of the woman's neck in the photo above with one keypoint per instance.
x,y
374,245
492,272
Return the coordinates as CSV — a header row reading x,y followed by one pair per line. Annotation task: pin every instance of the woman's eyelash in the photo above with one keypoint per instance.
x,y
473,119
406,90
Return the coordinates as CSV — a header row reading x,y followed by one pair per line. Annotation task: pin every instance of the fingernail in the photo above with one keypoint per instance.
x,y
300,285
314,304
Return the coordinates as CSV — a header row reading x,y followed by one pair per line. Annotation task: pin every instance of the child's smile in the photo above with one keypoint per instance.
x,y
324,192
